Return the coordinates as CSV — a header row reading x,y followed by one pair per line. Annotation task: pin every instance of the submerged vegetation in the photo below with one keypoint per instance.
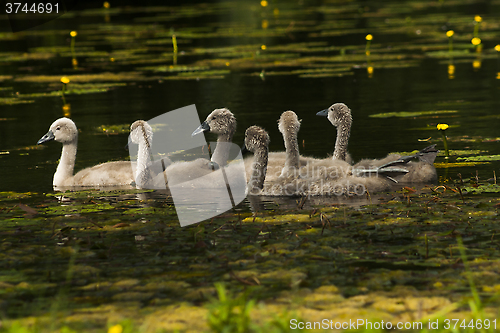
x,y
97,258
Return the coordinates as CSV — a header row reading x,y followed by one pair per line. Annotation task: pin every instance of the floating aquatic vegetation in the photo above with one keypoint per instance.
x,y
76,89
444,165
113,129
488,188
455,152
14,101
405,114
175,69
481,158
102,77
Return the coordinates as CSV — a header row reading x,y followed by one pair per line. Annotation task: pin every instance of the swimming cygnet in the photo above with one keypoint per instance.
x,y
221,122
416,172
332,177
64,130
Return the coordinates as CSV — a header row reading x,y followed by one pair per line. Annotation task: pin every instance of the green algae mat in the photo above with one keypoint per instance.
x,y
92,261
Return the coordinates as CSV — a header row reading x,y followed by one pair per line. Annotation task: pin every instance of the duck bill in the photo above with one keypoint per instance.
x,y
47,137
202,128
323,113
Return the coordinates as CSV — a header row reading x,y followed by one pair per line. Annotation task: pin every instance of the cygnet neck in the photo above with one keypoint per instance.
x,y
66,164
343,133
259,169
221,152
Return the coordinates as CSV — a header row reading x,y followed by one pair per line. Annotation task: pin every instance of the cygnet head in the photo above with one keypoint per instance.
x,y
289,123
256,138
220,121
62,130
140,131
338,114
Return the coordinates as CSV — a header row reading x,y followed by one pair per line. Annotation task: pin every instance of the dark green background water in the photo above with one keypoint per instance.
x,y
424,86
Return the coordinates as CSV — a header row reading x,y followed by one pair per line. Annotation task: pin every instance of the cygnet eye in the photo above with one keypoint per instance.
x,y
58,128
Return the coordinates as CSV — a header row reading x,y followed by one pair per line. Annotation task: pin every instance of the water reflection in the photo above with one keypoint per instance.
x,y
220,62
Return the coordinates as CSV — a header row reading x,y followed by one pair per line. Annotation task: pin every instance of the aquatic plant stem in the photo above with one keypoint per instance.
x,y
62,93
174,43
445,143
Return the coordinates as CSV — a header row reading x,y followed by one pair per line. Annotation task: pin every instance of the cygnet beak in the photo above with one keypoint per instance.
x,y
47,137
323,113
202,128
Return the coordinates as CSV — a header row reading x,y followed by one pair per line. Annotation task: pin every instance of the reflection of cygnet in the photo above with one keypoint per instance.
x,y
106,174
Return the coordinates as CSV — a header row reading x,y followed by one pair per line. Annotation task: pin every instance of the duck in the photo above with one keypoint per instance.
x,y
64,130
393,165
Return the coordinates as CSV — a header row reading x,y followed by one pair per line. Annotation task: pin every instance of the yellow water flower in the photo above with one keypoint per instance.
x,y
265,24
263,47
73,33
369,37
476,41
65,80
442,127
369,69
497,48
450,33
116,329
263,3
478,18
106,4
476,64
438,285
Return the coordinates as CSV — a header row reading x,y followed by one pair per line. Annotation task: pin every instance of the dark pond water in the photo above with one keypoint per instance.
x,y
258,61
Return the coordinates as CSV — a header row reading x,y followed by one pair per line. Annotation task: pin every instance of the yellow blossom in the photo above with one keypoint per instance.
x,y
438,285
73,33
476,41
450,33
263,3
65,80
369,69
476,64
369,37
116,329
264,24
263,47
478,18
442,127
106,4
497,48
